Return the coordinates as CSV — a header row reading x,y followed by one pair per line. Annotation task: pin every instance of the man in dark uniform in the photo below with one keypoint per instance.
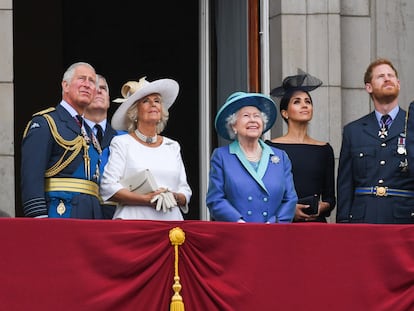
x,y
60,161
96,115
374,184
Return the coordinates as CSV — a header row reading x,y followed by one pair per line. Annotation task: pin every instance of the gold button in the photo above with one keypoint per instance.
x,y
381,191
382,162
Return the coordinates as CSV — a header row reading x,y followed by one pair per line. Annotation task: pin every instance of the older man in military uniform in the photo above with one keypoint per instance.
x,y
374,184
60,154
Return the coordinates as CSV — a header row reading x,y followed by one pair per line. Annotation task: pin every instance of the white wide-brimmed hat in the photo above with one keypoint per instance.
x,y
133,91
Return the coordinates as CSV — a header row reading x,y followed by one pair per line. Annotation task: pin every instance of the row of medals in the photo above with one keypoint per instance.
x,y
61,208
383,133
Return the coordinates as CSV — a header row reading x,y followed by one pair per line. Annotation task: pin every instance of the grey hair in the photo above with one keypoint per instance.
x,y
232,119
70,72
132,118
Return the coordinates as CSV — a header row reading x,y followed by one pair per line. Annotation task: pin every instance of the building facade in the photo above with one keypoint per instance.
x,y
333,40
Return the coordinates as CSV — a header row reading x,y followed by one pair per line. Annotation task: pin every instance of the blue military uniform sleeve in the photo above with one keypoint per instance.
x,y
34,165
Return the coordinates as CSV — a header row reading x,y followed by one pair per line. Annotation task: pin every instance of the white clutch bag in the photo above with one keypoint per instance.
x,y
142,182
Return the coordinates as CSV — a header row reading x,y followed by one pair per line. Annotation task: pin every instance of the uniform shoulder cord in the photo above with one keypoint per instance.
x,y
74,146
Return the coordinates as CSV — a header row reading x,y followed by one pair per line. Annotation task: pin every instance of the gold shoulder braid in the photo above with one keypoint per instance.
x,y
73,146
50,109
37,114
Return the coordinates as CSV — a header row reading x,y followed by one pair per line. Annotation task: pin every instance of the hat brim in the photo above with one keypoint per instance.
x,y
167,88
235,103
281,91
301,82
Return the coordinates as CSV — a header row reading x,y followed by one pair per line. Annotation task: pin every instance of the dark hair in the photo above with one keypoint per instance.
x,y
284,102
375,63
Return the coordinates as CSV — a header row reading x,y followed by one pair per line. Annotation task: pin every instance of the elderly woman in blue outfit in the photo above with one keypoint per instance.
x,y
249,181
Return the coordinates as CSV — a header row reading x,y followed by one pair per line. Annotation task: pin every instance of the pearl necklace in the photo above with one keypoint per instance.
x,y
257,154
147,139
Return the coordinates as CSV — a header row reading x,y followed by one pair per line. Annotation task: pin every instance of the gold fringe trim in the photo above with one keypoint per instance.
x,y
74,146
177,237
70,146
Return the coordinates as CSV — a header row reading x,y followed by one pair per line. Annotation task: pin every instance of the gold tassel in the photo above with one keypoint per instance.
x,y
177,237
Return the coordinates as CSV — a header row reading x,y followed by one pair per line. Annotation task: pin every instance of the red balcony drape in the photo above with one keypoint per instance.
x,y
52,264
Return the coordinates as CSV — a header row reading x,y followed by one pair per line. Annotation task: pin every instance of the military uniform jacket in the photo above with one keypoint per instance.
x,y
40,152
366,160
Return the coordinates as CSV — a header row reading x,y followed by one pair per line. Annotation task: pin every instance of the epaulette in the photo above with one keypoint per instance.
x,y
44,111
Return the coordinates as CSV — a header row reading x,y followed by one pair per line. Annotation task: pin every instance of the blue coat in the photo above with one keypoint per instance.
x,y
237,191
40,152
366,160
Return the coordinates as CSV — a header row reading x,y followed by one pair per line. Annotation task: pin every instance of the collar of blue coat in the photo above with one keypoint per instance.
x,y
258,174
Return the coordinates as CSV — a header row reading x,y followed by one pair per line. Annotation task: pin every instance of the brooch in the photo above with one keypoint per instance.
x,y
275,159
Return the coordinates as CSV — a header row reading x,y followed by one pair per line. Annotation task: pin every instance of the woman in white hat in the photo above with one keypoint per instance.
x,y
144,115
249,181
312,160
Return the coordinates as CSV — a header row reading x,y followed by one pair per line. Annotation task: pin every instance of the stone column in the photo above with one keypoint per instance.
x,y
7,203
307,35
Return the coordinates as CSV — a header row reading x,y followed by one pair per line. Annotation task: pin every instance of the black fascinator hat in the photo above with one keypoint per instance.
x,y
301,82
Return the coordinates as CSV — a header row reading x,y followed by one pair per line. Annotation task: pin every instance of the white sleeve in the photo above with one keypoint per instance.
x,y
114,169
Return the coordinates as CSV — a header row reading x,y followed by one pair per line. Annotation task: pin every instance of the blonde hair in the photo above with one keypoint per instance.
x,y
133,121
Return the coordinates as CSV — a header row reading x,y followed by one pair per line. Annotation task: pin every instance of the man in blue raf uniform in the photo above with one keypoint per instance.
x,y
60,159
374,184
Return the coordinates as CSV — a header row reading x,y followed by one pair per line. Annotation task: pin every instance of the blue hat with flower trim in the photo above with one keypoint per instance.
x,y
238,100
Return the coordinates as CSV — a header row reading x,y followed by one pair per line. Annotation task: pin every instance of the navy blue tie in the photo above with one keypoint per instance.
x,y
386,121
99,133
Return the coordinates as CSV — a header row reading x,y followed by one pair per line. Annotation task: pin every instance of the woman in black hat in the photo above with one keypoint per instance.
x,y
312,160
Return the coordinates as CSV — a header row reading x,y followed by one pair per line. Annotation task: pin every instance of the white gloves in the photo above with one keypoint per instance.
x,y
165,201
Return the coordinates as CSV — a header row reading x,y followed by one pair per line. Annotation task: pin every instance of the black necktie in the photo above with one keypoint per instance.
x,y
99,132
79,120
